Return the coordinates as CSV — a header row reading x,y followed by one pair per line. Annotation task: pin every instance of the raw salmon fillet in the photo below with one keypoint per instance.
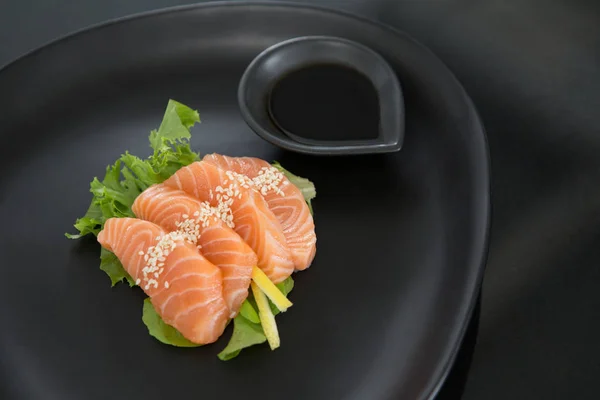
x,y
244,209
285,200
173,210
185,289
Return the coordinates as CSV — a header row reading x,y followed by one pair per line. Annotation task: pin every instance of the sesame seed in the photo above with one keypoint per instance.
x,y
268,179
166,285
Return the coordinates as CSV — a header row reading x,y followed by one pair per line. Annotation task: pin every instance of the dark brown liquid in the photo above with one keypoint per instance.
x,y
326,102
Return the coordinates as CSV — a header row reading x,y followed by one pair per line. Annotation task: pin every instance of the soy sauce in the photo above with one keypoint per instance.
x,y
326,102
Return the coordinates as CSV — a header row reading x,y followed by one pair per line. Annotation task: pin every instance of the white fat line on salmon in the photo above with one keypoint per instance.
x,y
268,179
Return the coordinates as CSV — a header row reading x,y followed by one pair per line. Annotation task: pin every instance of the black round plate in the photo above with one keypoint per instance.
x,y
402,238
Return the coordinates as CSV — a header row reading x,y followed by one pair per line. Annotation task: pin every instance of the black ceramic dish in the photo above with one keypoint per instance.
x,y
402,236
283,59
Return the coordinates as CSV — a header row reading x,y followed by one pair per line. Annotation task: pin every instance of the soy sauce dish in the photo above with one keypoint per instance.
x,y
323,95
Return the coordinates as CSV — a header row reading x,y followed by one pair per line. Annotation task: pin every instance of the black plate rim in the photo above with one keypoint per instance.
x,y
482,180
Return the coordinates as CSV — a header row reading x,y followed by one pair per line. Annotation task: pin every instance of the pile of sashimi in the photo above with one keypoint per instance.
x,y
210,240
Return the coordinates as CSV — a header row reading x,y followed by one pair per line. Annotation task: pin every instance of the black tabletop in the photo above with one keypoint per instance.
x,y
533,69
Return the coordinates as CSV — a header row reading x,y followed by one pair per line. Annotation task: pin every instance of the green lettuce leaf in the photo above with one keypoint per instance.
x,y
170,144
245,334
249,312
114,195
110,264
175,126
91,222
130,175
161,331
306,187
286,286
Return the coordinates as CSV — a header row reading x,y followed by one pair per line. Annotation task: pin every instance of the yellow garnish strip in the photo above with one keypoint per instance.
x,y
269,288
267,319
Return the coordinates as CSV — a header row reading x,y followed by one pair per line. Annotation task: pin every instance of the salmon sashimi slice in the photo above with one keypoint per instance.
x,y
244,210
175,210
285,200
184,287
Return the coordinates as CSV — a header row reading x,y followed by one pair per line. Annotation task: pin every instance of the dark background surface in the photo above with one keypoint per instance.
x,y
533,69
